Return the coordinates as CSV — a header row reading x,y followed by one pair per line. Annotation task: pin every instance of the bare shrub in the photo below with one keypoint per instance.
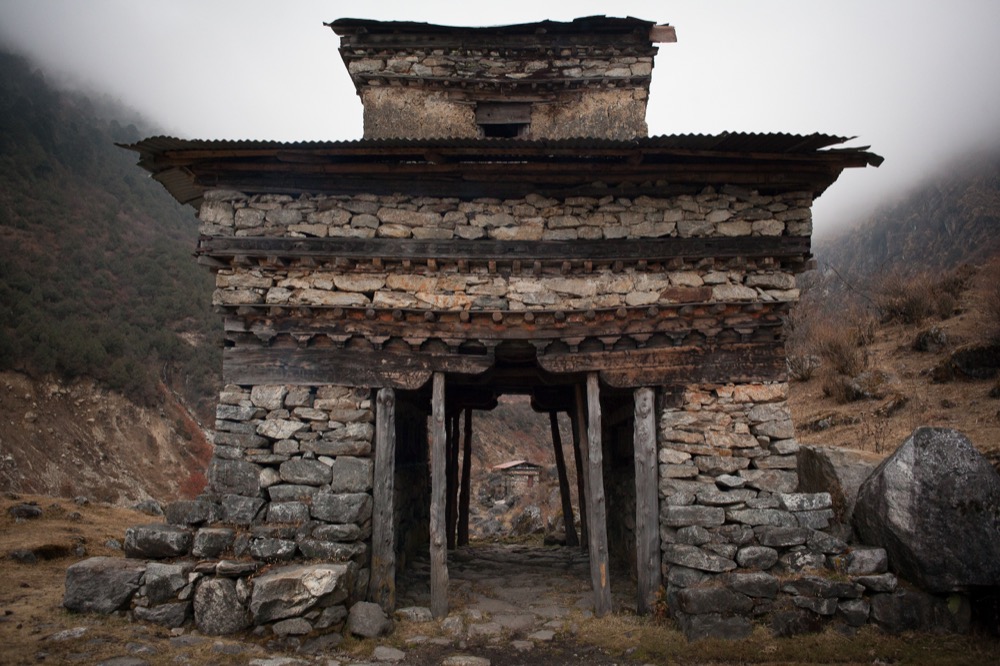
x,y
842,342
875,430
989,305
910,299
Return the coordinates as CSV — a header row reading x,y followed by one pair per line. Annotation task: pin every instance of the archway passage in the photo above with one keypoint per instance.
x,y
435,424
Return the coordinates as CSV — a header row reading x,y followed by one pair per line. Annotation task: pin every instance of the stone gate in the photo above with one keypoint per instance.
x,y
505,226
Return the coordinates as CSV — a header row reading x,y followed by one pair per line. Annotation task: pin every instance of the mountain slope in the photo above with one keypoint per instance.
x,y
96,277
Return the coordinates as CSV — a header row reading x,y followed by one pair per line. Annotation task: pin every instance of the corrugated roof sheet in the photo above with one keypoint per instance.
x,y
727,142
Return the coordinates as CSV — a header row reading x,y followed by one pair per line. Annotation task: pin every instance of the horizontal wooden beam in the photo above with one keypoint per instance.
x,y
740,362
631,250
268,365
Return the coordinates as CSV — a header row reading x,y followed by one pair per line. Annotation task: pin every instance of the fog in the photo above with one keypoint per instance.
x,y
916,80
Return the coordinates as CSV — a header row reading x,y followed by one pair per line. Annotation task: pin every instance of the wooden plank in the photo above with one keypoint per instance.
x,y
564,493
632,368
347,367
626,249
464,497
647,508
451,503
439,552
382,585
596,505
581,476
492,113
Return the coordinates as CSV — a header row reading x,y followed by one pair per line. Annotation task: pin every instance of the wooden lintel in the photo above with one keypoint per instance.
x,y
632,368
347,367
395,249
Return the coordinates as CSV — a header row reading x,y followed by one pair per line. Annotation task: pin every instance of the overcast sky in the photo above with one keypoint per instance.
x,y
918,80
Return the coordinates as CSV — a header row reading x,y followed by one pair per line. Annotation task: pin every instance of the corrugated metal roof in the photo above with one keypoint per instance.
x,y
727,142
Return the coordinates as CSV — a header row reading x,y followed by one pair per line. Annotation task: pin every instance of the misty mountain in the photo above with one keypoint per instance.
x,y
96,273
949,220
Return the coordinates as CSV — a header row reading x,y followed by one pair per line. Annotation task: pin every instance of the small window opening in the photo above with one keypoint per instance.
x,y
505,130
504,119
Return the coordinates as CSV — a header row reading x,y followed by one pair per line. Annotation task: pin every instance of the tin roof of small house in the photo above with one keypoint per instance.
x,y
513,464
461,166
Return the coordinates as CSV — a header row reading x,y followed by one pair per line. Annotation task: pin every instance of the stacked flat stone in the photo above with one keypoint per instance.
x,y
730,212
291,478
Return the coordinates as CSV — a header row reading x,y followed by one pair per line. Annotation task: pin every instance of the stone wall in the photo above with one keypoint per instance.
x,y
594,94
738,541
291,479
731,212
710,214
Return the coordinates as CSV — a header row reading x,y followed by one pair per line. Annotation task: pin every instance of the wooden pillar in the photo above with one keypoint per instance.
x,y
463,498
451,504
647,510
439,554
581,480
382,584
567,503
589,412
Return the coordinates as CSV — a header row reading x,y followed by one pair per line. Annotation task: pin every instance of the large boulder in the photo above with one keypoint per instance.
x,y
933,505
102,584
218,609
840,472
293,590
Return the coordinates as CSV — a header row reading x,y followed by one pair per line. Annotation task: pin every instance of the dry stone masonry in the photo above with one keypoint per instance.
x,y
504,226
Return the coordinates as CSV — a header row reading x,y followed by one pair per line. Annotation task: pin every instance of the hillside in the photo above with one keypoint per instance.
x,y
96,276
949,219
899,326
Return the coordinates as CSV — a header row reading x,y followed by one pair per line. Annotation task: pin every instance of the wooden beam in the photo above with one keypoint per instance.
x,y
633,368
647,509
464,497
451,503
581,476
567,502
349,367
382,585
439,553
650,249
589,409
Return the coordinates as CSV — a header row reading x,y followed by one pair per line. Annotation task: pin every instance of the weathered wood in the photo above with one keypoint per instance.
x,y
466,491
451,504
632,368
382,584
638,323
567,503
581,476
647,510
398,249
438,551
350,367
589,408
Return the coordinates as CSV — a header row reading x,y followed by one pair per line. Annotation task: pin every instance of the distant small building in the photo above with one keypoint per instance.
x,y
518,476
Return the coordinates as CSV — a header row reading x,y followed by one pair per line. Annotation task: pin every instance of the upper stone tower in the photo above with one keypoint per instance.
x,y
548,80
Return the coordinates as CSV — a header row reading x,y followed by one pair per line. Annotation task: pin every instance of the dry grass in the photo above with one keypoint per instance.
x,y
647,641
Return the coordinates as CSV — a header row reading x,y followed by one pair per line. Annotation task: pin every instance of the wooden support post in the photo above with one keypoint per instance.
x,y
647,509
567,502
581,481
451,503
590,411
439,554
382,584
466,490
